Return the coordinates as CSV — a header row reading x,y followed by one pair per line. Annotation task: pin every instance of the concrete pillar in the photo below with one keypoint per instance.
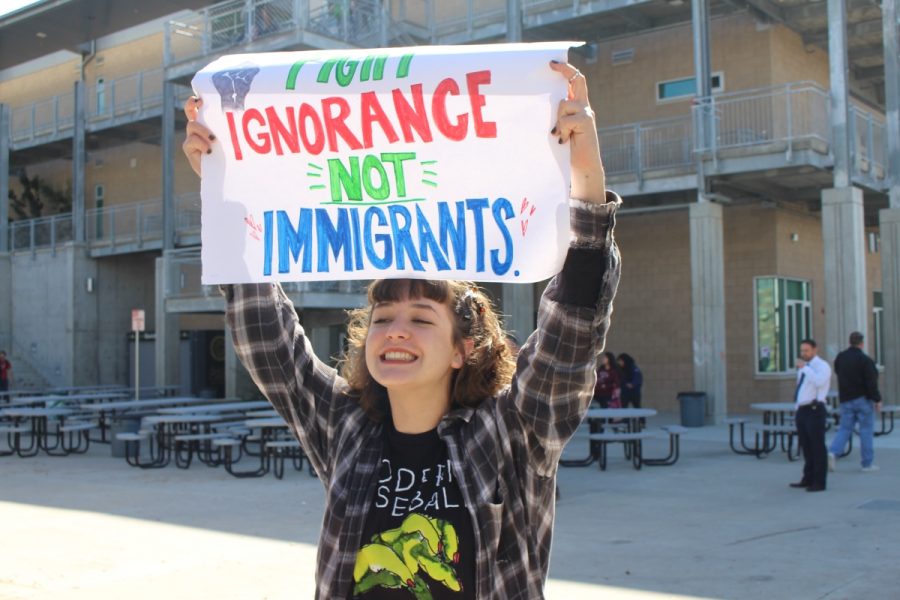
x,y
167,328
319,336
838,66
517,298
6,299
513,21
518,306
890,277
843,237
231,366
889,227
4,178
78,162
168,165
708,307
82,318
702,77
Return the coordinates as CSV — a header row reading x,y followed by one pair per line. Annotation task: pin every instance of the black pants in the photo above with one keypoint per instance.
x,y
631,398
811,420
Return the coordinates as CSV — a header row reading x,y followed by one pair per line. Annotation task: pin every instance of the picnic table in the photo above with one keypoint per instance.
x,y
887,418
39,433
71,399
776,430
106,387
274,447
161,432
107,411
615,425
217,407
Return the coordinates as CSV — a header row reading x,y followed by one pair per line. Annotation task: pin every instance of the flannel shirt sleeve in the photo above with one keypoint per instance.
x,y
272,345
556,367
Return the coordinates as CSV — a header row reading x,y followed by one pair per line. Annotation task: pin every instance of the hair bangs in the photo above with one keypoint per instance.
x,y
397,290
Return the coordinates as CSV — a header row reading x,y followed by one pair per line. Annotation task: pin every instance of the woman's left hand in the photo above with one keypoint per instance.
x,y
575,124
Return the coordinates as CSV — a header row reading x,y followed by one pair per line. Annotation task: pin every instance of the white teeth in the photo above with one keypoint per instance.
x,y
406,356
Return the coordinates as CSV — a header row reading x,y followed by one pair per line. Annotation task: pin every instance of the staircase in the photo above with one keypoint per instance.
x,y
25,375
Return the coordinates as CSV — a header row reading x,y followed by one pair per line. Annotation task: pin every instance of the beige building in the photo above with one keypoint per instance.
x,y
746,226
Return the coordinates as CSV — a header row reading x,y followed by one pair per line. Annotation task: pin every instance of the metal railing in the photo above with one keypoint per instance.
x,y
639,147
776,115
867,141
128,95
227,25
43,232
184,271
784,118
124,99
133,224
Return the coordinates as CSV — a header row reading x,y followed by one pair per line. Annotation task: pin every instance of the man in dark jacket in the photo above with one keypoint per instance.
x,y
858,388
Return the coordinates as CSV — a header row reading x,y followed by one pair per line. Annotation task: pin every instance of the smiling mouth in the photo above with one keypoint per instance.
x,y
398,357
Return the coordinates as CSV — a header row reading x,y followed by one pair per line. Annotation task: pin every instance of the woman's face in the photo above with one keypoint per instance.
x,y
621,363
410,347
606,361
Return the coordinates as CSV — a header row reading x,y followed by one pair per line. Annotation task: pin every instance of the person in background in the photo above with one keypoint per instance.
x,y
5,372
607,388
631,382
857,378
811,414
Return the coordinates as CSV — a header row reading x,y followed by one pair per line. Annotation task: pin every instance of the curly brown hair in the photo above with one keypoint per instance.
x,y
488,367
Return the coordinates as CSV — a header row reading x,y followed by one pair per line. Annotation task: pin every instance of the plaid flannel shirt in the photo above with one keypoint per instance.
x,y
505,453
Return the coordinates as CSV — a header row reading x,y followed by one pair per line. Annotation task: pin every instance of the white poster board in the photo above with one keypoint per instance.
x,y
426,162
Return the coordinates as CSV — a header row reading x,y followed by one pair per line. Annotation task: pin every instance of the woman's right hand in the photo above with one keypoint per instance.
x,y
199,139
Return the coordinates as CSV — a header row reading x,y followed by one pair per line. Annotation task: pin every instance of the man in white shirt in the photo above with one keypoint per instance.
x,y
813,381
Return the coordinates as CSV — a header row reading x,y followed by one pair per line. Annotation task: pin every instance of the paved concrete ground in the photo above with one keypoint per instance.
x,y
716,525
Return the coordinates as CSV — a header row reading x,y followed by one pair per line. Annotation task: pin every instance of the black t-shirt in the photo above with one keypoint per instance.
x,y
418,540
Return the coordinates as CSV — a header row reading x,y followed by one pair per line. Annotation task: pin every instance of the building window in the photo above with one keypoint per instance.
x,y
783,320
681,89
99,196
101,95
878,322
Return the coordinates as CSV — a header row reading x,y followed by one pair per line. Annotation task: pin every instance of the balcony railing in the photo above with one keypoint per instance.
x,y
128,98
780,116
126,226
868,141
183,280
639,147
228,25
43,232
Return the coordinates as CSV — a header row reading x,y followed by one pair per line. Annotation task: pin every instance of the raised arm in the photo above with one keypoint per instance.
x,y
555,372
273,346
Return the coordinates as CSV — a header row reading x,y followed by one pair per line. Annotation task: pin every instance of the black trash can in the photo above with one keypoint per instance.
x,y
117,448
693,408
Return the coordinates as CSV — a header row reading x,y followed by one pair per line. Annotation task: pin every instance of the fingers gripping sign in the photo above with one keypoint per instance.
x,y
575,124
198,140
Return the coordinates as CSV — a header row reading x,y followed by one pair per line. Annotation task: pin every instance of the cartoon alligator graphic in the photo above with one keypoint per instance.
x,y
395,558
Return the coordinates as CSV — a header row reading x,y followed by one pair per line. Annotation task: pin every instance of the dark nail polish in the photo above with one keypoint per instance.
x,y
553,131
560,140
555,62
209,150
195,99
212,137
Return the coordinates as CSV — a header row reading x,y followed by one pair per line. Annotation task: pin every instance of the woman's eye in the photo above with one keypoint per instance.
x,y
422,321
380,320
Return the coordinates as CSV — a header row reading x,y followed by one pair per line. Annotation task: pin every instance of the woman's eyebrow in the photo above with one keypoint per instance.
x,y
424,305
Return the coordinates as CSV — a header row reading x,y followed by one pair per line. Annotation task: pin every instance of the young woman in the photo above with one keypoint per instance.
x,y
606,392
632,381
438,455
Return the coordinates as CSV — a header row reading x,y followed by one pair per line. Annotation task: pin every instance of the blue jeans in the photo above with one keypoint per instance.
x,y
862,411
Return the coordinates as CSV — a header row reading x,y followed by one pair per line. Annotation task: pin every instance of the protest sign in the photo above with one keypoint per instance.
x,y
427,162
